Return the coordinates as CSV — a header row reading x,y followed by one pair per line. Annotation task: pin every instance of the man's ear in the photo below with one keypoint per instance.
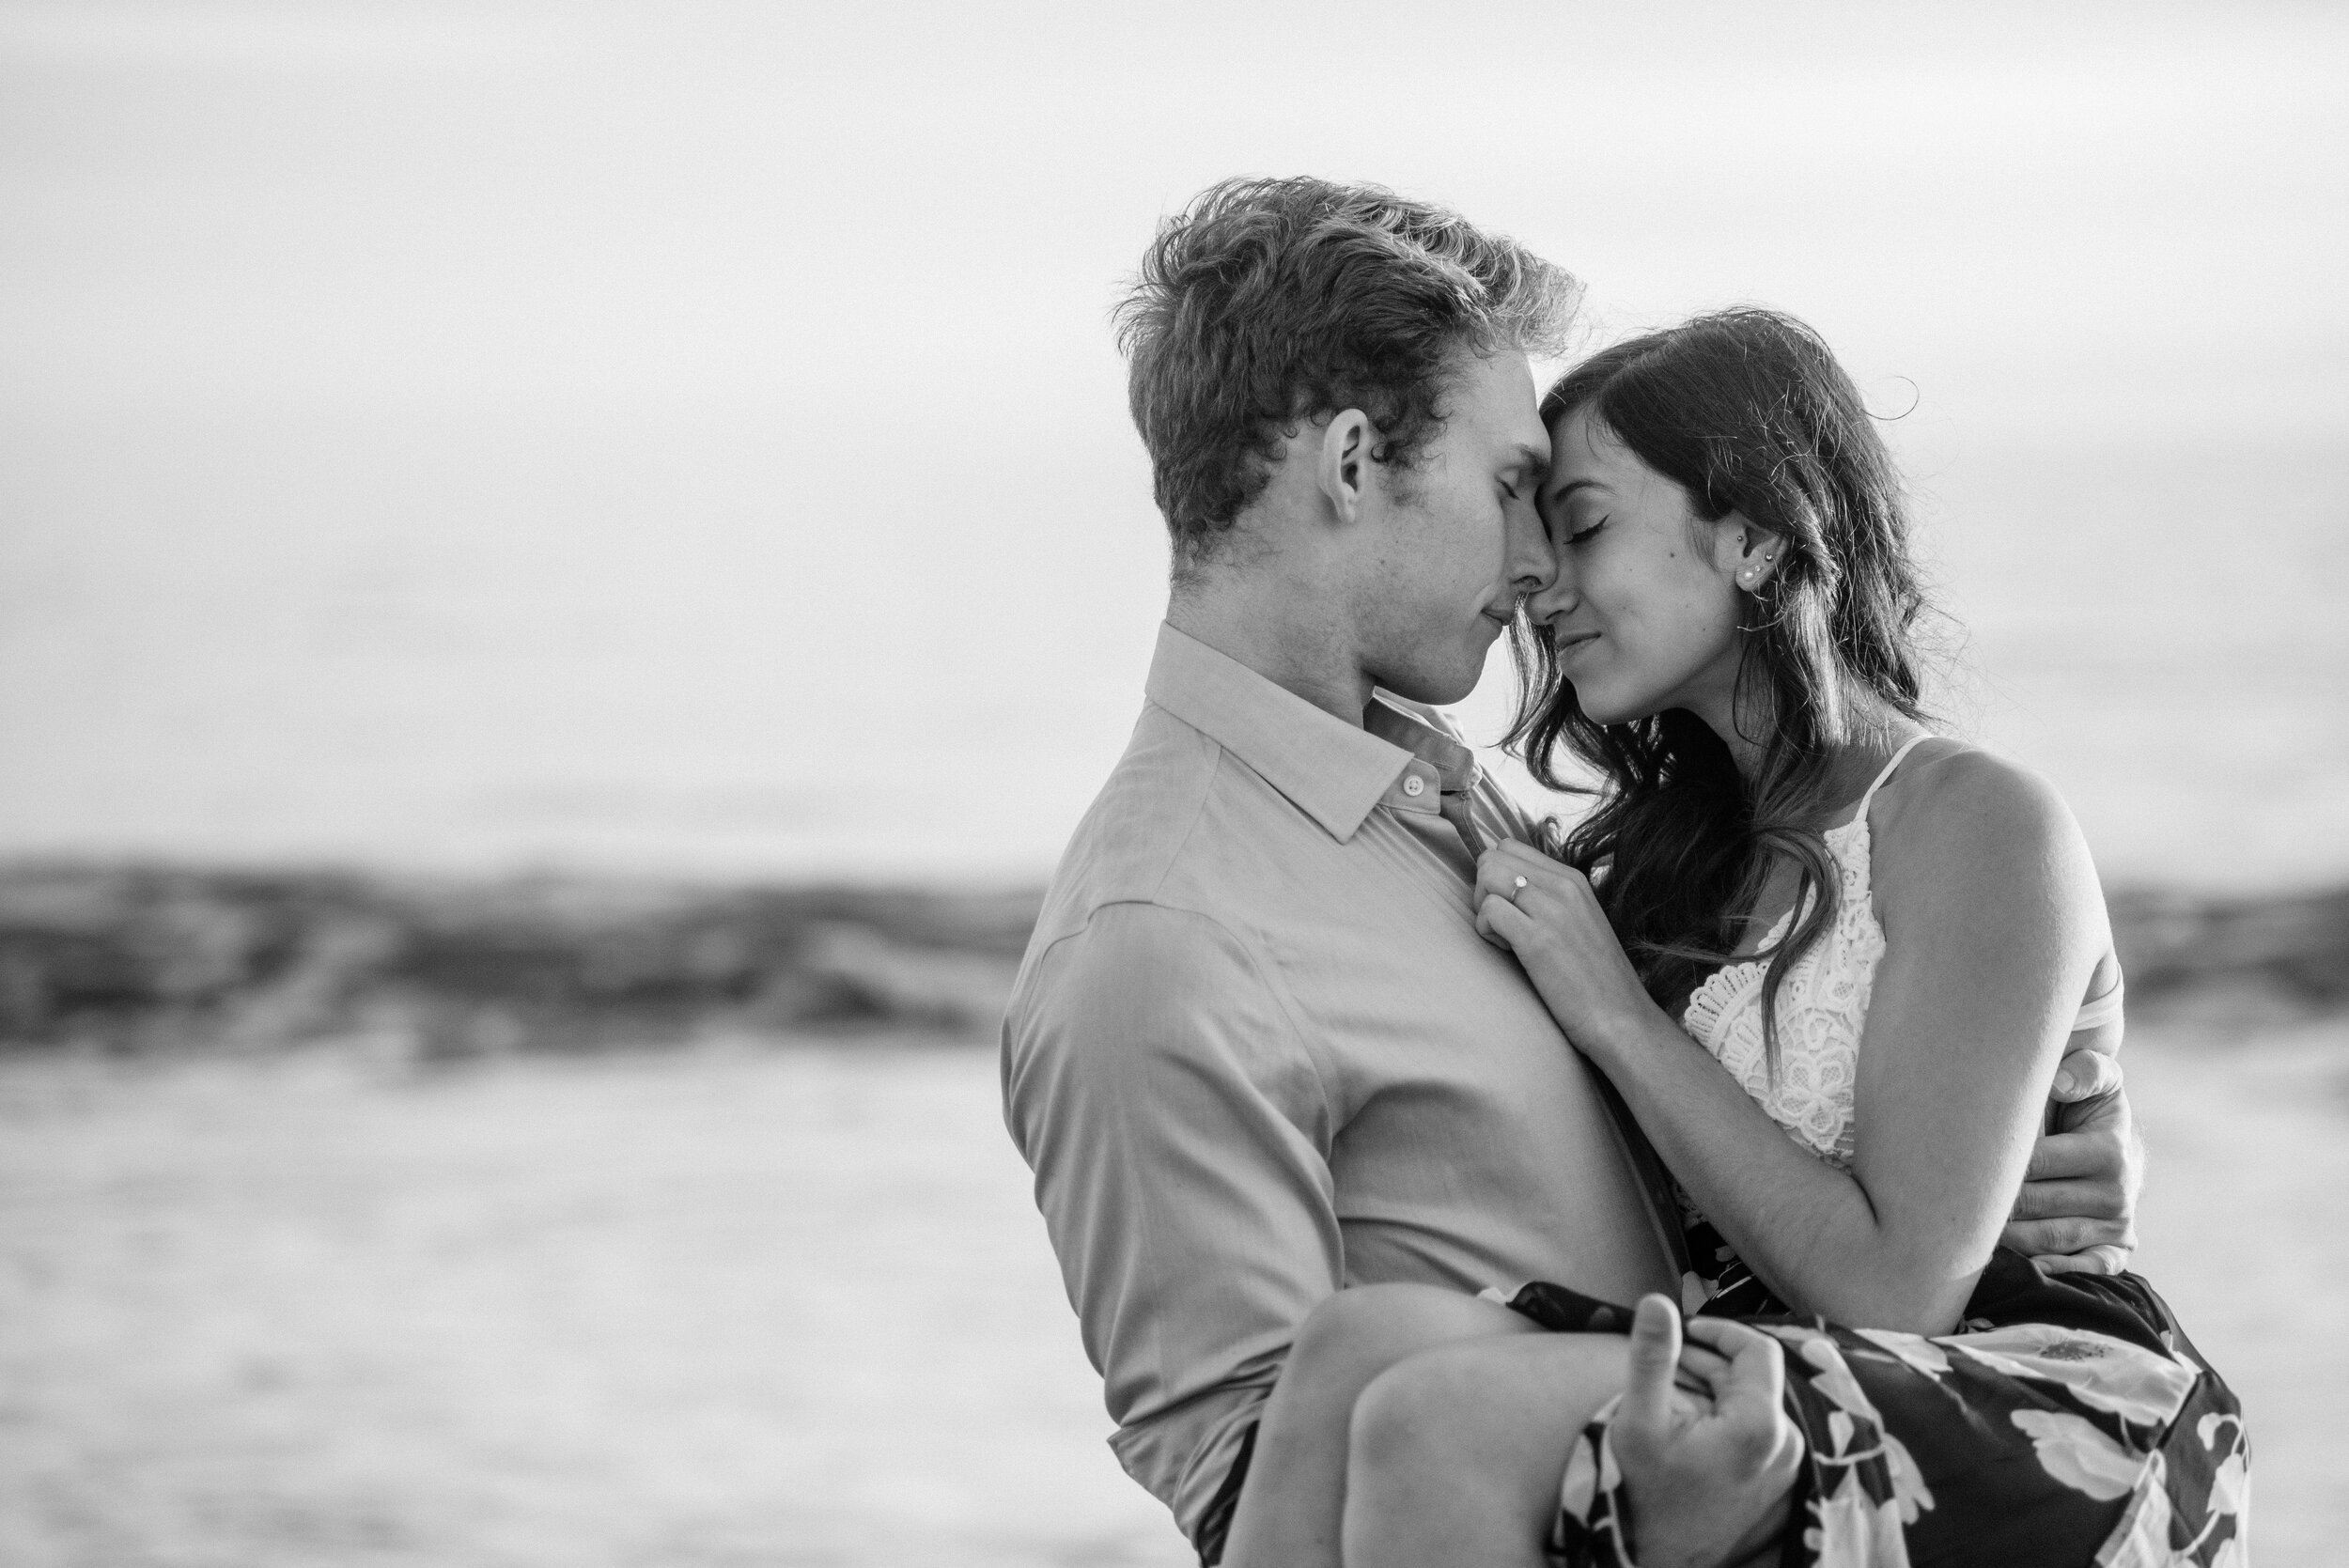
x,y
1342,471
1748,553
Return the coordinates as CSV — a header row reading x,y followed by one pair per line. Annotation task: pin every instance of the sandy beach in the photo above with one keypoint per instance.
x,y
732,1304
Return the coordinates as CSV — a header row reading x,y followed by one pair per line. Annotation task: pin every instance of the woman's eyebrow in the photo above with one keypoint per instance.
x,y
1573,485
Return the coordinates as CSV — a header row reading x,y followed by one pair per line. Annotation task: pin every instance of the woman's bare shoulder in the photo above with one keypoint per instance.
x,y
1972,844
1951,784
1957,815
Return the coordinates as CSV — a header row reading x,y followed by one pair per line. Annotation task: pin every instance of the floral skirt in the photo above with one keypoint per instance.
x,y
2068,1422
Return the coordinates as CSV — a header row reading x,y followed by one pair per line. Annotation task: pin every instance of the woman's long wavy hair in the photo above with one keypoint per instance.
x,y
1746,412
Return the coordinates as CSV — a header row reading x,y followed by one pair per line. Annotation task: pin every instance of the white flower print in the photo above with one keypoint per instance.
x,y
2231,1488
1853,1532
2141,1540
1579,1489
1909,1490
2141,1388
2079,1456
1589,1472
1833,1377
1917,1350
2229,1483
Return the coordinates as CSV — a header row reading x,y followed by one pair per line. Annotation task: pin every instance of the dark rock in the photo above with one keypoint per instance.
x,y
2171,942
139,958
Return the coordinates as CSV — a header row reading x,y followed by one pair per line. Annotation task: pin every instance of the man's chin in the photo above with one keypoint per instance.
x,y
1433,688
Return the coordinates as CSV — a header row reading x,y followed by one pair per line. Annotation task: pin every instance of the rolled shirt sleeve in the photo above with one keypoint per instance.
x,y
1177,1125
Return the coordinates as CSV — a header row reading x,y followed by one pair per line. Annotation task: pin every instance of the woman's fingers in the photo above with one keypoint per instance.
x,y
1497,872
1500,921
1499,867
1509,849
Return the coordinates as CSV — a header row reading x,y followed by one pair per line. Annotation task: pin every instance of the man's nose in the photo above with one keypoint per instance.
x,y
1533,564
1556,597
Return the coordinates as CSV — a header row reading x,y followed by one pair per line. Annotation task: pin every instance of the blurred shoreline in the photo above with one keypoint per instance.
x,y
136,959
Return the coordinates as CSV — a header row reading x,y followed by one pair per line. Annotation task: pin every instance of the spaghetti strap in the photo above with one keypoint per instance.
x,y
2101,1010
1899,756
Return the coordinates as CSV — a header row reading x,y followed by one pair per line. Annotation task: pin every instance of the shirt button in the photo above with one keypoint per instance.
x,y
1413,785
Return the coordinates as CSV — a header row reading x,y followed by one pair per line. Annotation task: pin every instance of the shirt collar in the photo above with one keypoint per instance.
x,y
1423,732
1333,772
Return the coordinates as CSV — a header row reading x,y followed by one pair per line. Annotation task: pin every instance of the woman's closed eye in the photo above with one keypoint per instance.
x,y
1577,535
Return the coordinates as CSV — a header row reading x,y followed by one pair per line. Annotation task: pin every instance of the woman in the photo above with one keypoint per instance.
x,y
1830,960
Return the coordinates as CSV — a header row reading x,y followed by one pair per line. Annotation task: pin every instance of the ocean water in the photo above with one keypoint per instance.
x,y
732,1306
690,440
472,644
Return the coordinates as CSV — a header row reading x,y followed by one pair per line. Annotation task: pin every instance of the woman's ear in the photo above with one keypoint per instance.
x,y
1343,470
1747,553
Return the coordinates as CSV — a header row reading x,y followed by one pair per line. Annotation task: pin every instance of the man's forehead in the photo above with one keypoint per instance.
x,y
1492,421
1508,410
1526,442
1530,457
1527,402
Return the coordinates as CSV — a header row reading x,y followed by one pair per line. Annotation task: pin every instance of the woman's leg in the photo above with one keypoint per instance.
x,y
1456,1454
1291,1504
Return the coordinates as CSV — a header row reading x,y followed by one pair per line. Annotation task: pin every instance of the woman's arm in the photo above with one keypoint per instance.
x,y
1992,923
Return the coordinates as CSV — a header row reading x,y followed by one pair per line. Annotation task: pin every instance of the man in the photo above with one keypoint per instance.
x,y
1257,1052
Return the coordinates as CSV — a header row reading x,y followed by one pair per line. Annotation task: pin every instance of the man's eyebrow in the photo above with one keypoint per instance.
x,y
1534,460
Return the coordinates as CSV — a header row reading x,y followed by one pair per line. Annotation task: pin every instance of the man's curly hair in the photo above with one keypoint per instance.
x,y
1269,303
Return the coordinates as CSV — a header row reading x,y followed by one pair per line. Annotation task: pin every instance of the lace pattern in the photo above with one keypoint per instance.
x,y
1821,1009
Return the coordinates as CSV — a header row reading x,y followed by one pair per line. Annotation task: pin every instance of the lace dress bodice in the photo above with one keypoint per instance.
x,y
1995,1443
1822,1007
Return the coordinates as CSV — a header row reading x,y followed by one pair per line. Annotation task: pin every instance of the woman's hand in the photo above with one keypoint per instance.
x,y
1546,913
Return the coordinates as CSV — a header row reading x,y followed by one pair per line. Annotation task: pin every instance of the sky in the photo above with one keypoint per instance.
x,y
688,436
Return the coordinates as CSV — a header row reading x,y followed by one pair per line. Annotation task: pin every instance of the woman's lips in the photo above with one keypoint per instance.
x,y
1568,645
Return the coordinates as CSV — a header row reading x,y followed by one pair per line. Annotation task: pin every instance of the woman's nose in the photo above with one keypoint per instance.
x,y
1557,597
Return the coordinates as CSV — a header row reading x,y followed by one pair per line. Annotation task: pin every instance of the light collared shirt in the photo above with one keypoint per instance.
x,y
1257,1052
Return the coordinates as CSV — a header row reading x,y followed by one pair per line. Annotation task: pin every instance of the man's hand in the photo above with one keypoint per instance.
x,y
1708,1478
2077,1210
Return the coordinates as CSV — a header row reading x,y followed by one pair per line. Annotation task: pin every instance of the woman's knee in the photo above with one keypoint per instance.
x,y
1464,1399
1420,1403
1358,1332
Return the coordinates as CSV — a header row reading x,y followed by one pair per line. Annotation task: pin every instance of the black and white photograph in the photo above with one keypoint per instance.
x,y
1027,786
